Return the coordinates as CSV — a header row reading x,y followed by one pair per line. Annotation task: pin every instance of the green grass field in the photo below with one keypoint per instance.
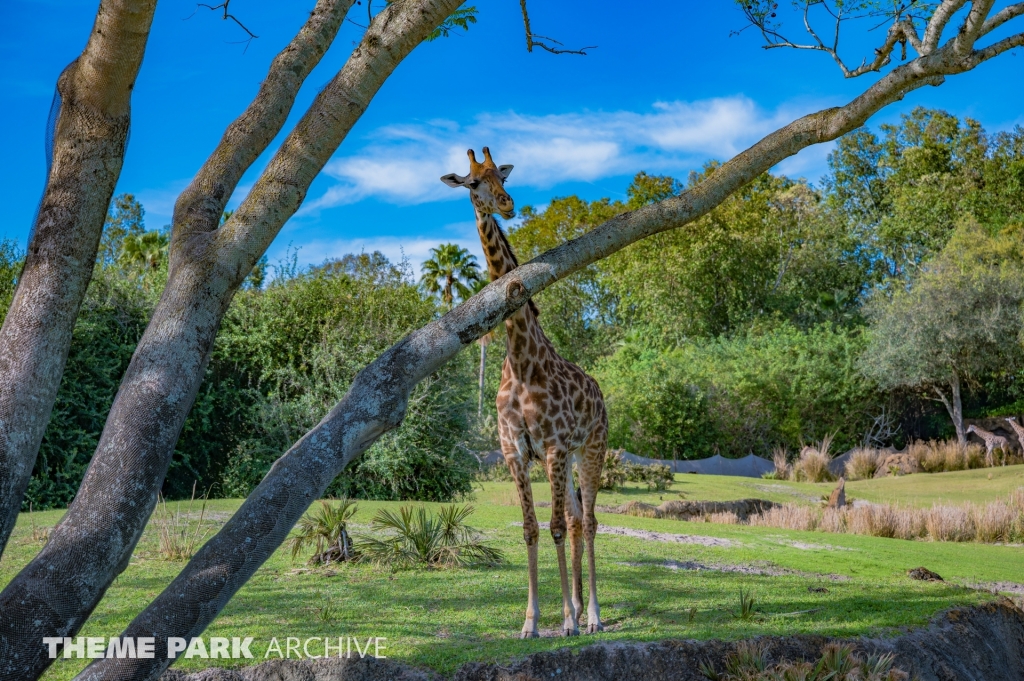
x,y
444,618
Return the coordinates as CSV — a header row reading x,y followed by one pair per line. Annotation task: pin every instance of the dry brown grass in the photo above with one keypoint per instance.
x,y
863,463
788,516
724,518
998,521
812,466
780,457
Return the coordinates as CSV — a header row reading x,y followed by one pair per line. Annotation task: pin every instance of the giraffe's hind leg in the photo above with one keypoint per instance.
x,y
590,465
574,518
559,469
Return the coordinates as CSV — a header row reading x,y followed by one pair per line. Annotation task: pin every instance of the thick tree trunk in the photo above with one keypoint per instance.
x,y
90,131
377,400
92,544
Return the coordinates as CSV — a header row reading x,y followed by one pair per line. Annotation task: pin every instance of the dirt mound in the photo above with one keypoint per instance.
x,y
693,510
984,643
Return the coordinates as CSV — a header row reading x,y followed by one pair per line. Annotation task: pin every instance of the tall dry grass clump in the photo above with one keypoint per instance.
x,y
788,517
863,463
942,456
783,470
812,466
950,523
998,521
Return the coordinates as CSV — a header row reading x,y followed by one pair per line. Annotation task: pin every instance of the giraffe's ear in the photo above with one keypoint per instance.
x,y
505,171
453,180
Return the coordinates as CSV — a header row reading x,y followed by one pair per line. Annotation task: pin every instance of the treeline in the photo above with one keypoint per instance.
x,y
859,307
855,308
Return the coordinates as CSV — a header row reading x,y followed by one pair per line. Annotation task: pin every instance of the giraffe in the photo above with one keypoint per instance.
x,y
992,442
549,411
1017,428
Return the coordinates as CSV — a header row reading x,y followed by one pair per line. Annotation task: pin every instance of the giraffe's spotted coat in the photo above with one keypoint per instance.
x,y
549,411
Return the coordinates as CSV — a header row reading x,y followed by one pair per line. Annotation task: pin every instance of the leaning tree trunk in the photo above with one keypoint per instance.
x,y
86,142
954,407
379,395
92,544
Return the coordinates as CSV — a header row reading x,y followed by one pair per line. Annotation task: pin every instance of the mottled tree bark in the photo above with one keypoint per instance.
x,y
90,132
378,398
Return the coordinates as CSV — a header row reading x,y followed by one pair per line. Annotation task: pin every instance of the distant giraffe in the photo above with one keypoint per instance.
x,y
992,442
1017,428
549,410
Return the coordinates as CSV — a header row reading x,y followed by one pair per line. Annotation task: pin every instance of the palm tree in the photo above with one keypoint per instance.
x,y
146,249
449,272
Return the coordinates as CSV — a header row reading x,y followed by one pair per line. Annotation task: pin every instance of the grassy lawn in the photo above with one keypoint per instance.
x,y
442,619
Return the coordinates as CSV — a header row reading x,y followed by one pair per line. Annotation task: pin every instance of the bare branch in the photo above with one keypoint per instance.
x,y
1002,16
232,17
994,50
533,40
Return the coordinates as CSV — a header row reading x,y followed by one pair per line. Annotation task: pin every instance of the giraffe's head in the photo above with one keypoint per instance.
x,y
971,429
486,184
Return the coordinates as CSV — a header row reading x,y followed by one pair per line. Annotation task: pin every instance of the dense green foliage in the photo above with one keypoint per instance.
x,y
790,312
284,355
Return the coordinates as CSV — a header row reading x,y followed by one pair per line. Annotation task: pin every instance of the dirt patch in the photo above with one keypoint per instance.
x,y
648,535
765,570
964,644
997,587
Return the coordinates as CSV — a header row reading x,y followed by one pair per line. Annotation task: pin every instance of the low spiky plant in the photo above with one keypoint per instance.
x,y
327,530
412,537
179,540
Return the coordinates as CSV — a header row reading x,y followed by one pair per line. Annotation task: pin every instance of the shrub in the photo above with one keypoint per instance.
x,y
750,662
613,475
414,538
862,464
656,476
327,530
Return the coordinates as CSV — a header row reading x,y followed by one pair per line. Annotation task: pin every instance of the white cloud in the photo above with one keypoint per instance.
x,y
402,163
415,248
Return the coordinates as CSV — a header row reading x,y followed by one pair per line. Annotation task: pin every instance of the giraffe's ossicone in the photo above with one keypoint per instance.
x,y
549,411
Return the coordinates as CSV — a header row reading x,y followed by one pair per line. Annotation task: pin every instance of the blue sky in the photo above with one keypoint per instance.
x,y
667,88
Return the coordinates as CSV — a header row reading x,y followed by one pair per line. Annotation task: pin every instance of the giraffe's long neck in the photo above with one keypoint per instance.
x,y
526,340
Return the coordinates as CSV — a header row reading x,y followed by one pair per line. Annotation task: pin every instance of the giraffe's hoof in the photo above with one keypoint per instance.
x,y
570,632
526,633
595,628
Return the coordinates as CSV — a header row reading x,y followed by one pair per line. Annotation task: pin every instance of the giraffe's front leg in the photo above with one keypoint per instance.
x,y
531,530
558,472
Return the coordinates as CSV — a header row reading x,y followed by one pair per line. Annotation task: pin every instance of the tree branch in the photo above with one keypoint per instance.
x,y
232,17
937,24
282,187
199,208
533,40
1002,16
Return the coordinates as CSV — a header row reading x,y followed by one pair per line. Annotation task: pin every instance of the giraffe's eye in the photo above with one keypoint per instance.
x,y
474,184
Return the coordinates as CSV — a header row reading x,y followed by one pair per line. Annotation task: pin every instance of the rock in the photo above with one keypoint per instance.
x,y
902,464
838,497
962,644
695,510
924,574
